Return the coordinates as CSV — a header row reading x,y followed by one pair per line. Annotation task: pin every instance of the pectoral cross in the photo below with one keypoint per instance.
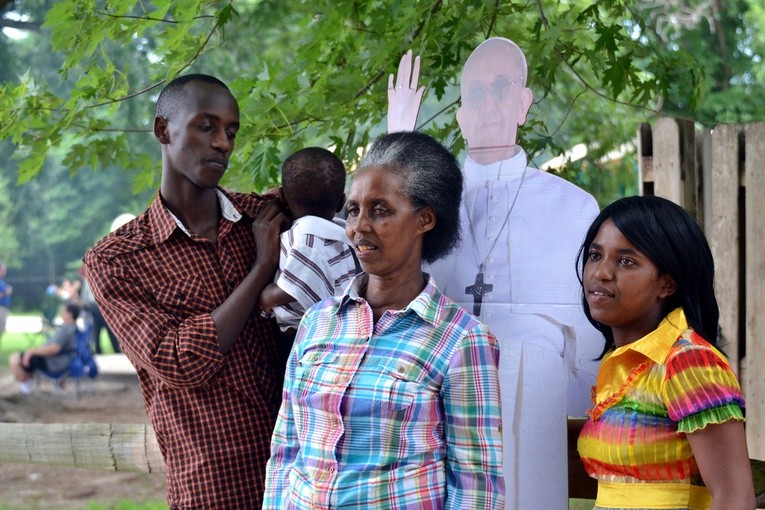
x,y
477,290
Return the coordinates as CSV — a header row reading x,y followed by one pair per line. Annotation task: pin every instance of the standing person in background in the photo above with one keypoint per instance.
x,y
99,323
391,398
179,286
666,430
515,269
5,300
316,260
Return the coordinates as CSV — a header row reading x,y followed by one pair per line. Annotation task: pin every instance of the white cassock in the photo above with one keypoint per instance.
x,y
547,346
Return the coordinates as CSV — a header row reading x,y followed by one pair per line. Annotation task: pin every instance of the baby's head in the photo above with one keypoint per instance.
x,y
313,183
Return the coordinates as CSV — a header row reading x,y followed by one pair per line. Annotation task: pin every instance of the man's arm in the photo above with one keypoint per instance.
x,y
231,316
188,352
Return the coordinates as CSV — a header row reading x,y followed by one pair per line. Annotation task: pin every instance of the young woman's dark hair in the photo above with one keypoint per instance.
x,y
669,236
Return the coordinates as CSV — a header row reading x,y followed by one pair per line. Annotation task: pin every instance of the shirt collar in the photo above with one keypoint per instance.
x,y
425,305
166,222
656,344
504,170
331,230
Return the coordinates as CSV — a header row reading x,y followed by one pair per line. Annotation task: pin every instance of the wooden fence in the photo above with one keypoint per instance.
x,y
719,175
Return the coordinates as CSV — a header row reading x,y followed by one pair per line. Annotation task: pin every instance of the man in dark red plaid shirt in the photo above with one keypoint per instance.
x,y
179,286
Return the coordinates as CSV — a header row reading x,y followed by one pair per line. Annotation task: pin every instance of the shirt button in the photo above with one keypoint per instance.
x,y
332,470
401,369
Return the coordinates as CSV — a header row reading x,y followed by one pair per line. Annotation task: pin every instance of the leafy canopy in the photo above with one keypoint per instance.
x,y
316,73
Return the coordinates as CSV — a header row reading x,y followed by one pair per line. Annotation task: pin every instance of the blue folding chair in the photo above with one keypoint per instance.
x,y
82,366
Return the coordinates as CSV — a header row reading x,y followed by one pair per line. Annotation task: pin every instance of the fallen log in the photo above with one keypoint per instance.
x,y
105,446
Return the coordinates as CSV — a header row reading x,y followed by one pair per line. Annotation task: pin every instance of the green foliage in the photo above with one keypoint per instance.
x,y
316,72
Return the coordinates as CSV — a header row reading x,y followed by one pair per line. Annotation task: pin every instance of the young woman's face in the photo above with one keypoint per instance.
x,y
623,287
385,228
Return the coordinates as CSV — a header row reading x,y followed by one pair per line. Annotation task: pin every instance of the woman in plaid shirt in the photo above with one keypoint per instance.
x,y
391,397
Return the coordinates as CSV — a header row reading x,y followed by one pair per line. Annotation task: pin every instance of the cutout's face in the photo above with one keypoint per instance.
x,y
494,100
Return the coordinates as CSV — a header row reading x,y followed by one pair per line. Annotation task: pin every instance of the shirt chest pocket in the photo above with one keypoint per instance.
x,y
317,369
184,297
405,383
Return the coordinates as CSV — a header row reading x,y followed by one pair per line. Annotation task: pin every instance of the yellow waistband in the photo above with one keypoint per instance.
x,y
652,495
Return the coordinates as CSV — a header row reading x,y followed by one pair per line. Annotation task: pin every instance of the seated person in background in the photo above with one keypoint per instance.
x,y
316,260
53,357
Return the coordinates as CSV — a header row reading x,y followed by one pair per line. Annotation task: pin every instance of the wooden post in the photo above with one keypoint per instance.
x,y
645,159
722,231
755,288
111,447
667,171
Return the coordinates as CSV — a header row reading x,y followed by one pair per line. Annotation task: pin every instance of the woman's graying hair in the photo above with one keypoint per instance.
x,y
432,178
669,236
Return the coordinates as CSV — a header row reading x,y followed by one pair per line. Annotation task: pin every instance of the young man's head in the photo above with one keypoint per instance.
x,y
196,121
70,312
313,183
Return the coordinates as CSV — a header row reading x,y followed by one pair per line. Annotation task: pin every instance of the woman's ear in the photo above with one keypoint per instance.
x,y
668,286
427,219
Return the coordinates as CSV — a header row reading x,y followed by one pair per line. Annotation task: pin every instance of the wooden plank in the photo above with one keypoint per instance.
x,y
754,385
666,161
104,446
722,231
645,159
689,179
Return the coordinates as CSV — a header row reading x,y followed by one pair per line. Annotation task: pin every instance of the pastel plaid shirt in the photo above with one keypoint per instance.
x,y
213,414
402,414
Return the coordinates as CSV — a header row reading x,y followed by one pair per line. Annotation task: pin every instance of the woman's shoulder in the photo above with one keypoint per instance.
x,y
693,350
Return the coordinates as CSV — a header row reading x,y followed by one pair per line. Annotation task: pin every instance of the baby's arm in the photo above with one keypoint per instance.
x,y
273,295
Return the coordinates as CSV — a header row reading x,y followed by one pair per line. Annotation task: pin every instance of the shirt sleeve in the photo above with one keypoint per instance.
x,y
307,275
285,445
473,424
181,353
698,380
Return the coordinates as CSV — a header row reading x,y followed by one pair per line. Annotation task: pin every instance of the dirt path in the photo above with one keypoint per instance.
x,y
115,399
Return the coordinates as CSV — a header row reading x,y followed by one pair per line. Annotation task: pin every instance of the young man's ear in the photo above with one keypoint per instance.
x,y
341,204
161,130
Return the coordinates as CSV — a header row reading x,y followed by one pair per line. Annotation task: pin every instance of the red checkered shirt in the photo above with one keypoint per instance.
x,y
213,414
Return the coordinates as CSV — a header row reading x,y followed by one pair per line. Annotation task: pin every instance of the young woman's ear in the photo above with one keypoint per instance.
x,y
668,286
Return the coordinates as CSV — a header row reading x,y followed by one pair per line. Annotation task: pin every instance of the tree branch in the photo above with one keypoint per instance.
x,y
30,26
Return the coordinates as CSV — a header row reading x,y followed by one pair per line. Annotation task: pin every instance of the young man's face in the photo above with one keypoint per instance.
x,y
199,137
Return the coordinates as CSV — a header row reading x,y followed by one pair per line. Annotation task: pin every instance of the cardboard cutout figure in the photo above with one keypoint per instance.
x,y
516,270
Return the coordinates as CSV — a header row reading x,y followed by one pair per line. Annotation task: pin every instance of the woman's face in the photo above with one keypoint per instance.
x,y
623,287
386,230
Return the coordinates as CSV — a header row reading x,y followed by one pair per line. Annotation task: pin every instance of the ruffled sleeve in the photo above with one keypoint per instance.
x,y
700,388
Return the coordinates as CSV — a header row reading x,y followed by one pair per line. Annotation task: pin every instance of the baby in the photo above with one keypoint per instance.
x,y
316,258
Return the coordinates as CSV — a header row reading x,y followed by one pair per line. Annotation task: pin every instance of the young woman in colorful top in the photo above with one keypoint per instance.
x,y
391,394
666,430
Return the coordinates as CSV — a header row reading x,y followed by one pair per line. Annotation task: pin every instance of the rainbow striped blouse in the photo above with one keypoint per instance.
x,y
649,394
